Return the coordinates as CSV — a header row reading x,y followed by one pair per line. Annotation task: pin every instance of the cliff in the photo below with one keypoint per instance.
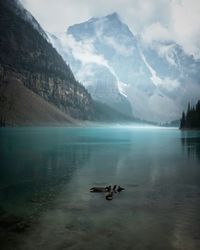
x,y
29,59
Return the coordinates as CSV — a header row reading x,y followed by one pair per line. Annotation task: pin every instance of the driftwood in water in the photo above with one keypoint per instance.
x,y
98,189
108,190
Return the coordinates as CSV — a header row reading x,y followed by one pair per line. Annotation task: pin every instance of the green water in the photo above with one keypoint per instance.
x,y
46,174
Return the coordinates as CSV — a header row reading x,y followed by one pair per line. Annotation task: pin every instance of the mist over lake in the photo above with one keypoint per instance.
x,y
46,174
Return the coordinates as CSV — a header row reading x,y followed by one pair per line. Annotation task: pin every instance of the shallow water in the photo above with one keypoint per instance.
x,y
46,174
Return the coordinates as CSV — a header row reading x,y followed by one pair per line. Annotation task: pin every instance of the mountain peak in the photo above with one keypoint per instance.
x,y
113,16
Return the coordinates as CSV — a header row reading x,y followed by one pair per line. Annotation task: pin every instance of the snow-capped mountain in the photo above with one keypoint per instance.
x,y
151,82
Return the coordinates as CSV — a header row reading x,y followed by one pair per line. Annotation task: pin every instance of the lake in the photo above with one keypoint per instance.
x,y
46,174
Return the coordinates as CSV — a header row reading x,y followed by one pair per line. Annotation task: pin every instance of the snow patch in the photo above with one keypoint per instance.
x,y
166,83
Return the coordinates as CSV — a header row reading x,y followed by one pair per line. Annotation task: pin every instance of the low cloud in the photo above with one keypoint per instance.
x,y
182,26
82,51
119,48
155,33
185,25
178,20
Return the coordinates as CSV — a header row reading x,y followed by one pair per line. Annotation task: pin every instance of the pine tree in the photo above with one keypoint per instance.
x,y
192,118
182,122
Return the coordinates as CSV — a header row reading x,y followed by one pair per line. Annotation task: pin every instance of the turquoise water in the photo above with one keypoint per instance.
x,y
46,174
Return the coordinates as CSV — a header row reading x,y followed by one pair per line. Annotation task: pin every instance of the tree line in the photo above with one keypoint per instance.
x,y
191,119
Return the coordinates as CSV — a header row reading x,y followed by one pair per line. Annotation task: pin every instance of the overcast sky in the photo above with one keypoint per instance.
x,y
152,20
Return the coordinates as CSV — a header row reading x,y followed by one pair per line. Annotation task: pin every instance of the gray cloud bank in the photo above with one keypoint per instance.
x,y
151,20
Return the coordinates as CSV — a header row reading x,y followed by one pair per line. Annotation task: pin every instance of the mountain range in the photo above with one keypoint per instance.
x,y
152,82
36,85
97,70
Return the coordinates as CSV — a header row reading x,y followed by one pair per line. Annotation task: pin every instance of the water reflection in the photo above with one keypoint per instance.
x,y
32,173
191,144
158,210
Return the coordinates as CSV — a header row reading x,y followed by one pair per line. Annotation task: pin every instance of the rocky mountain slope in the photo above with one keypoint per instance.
x,y
152,82
21,106
26,57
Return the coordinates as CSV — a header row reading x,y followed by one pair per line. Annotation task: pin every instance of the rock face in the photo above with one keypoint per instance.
x,y
19,105
153,82
27,56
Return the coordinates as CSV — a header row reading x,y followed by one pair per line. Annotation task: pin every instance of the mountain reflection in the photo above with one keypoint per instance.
x,y
32,174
